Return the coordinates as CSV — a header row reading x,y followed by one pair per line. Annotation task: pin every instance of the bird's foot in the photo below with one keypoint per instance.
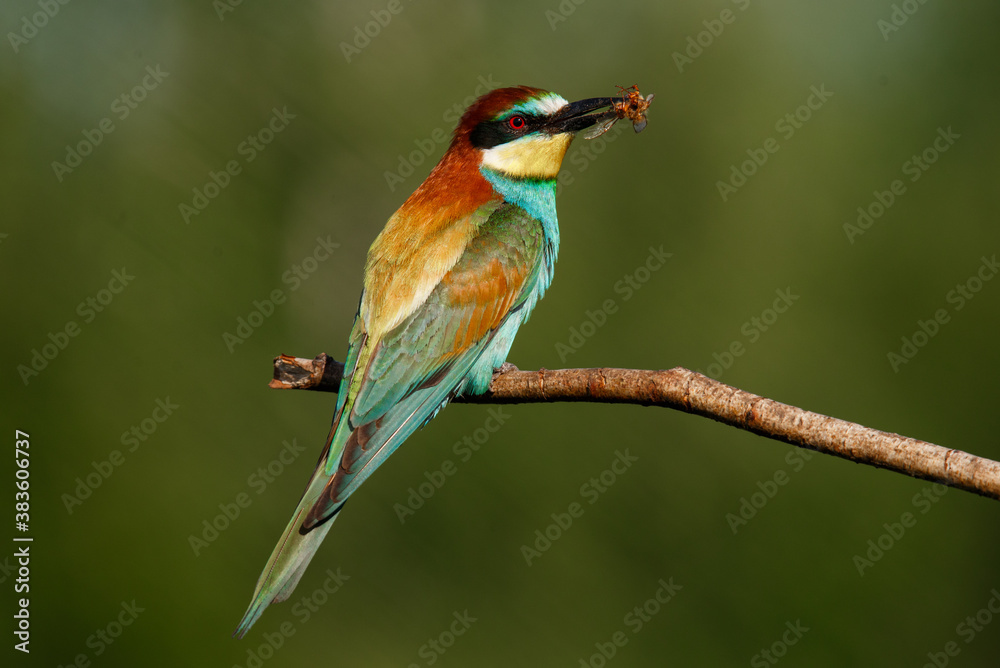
x,y
503,368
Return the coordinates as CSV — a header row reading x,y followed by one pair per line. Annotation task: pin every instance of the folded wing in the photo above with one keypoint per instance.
x,y
418,366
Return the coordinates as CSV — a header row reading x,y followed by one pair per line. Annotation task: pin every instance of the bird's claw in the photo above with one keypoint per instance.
x,y
503,368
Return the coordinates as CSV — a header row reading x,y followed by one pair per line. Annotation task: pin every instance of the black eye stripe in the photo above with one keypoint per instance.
x,y
493,133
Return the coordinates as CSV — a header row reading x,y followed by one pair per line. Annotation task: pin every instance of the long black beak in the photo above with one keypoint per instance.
x,y
576,116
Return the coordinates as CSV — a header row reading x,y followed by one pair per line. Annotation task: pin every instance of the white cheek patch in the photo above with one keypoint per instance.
x,y
537,156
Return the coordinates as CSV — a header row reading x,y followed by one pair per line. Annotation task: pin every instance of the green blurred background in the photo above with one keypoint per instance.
x,y
221,70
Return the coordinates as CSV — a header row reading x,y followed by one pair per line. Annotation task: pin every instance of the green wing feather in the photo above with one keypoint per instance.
x,y
394,385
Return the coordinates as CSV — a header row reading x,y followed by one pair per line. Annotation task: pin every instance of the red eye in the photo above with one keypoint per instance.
x,y
517,122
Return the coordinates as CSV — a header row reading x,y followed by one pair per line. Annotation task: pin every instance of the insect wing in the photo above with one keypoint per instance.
x,y
600,128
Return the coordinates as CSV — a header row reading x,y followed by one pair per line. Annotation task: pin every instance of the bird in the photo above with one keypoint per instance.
x,y
447,283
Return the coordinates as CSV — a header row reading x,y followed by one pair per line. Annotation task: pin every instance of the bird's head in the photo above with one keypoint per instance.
x,y
524,132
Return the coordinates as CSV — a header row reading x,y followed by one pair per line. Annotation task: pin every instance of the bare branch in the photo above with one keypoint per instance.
x,y
692,392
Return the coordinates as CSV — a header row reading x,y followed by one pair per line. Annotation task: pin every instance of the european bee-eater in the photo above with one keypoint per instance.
x,y
447,283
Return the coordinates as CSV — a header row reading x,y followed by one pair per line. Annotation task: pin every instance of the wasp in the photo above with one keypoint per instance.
x,y
632,106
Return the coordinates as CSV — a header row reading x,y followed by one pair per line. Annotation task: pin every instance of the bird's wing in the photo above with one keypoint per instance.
x,y
415,368
395,382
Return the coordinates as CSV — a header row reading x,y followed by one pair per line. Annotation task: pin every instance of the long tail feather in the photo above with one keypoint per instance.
x,y
297,546
289,559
